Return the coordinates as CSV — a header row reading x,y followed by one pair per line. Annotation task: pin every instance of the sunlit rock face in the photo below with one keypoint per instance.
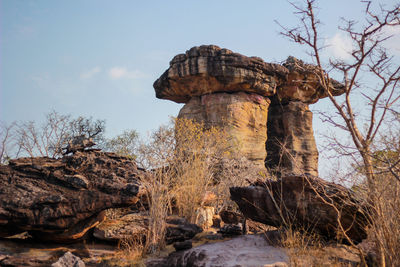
x,y
232,91
209,69
242,115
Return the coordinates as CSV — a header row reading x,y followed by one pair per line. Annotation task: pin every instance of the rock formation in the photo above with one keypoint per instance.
x,y
60,199
251,250
135,225
305,203
234,92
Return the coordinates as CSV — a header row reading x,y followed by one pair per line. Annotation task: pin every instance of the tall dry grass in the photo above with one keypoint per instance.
x,y
188,160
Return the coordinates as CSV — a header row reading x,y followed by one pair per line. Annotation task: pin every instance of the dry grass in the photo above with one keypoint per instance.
x,y
188,161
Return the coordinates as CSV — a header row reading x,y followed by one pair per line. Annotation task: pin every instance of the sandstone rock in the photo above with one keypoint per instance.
x,y
69,260
179,229
204,217
305,203
249,250
183,245
60,199
243,116
209,69
231,217
291,145
132,225
302,83
232,91
135,225
79,143
231,230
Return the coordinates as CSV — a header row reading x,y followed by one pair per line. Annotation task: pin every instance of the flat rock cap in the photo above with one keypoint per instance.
x,y
209,69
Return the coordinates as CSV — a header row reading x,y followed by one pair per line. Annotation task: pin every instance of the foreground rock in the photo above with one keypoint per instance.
x,y
61,199
304,203
135,226
251,250
69,260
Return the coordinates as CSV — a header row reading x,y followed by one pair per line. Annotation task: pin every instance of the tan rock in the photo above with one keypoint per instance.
x,y
209,69
204,216
302,83
243,116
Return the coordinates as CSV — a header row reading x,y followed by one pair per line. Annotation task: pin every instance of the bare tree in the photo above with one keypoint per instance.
x,y
49,139
6,135
369,59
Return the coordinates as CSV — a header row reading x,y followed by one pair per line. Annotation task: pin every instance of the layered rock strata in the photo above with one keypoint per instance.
x,y
291,145
242,116
234,92
305,203
61,199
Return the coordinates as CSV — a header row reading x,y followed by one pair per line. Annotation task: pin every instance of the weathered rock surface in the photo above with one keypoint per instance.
x,y
209,69
135,225
132,225
69,260
241,115
291,145
60,199
179,229
305,203
251,250
302,83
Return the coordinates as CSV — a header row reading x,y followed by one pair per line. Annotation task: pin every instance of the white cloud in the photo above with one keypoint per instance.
x,y
339,46
121,72
90,73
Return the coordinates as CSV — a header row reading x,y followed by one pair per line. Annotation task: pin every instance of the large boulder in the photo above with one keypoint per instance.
x,y
251,250
209,69
61,199
305,203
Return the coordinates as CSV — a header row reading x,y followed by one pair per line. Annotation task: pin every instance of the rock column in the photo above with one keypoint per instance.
x,y
234,92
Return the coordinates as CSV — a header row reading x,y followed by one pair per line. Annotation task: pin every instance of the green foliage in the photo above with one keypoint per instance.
x,y
125,144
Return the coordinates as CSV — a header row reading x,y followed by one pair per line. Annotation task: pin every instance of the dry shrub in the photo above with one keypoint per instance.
x,y
384,215
187,160
130,253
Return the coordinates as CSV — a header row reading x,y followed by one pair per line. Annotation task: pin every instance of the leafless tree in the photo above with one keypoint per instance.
x,y
6,135
49,139
369,59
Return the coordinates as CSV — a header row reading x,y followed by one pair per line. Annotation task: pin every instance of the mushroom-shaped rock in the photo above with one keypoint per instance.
x,y
209,69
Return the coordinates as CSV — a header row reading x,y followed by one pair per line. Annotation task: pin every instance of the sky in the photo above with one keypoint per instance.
x,y
99,59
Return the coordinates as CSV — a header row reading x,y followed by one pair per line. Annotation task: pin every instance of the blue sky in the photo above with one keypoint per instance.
x,y
100,58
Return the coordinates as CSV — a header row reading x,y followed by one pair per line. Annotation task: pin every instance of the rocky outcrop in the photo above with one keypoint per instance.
x,y
252,250
61,199
135,225
241,115
69,260
232,91
305,203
